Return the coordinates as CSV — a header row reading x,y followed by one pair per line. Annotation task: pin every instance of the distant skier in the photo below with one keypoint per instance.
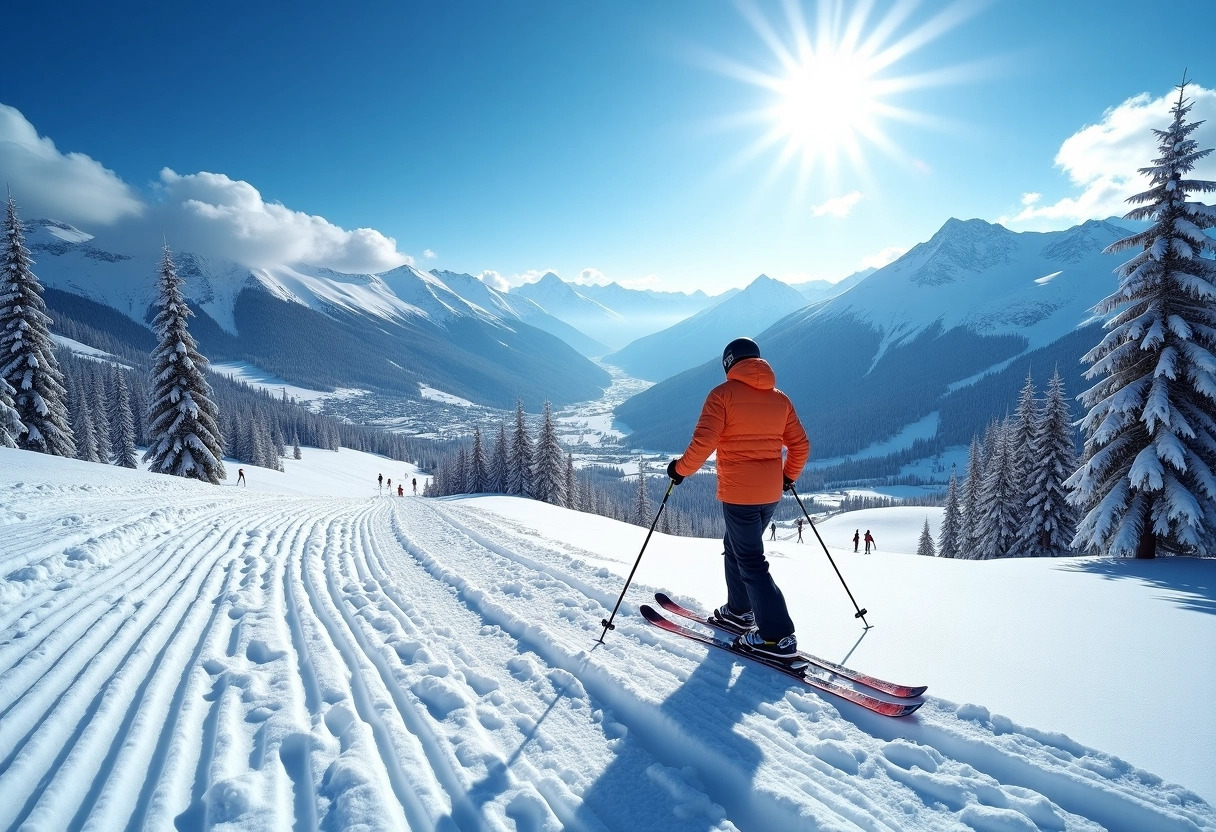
x,y
400,490
748,421
414,482
772,532
390,485
799,529
380,481
870,541
856,539
240,477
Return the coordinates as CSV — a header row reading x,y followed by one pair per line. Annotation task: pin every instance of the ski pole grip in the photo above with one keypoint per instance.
x,y
861,613
607,625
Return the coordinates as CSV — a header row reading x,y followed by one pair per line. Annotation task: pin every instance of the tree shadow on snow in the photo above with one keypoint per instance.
x,y
684,766
1191,581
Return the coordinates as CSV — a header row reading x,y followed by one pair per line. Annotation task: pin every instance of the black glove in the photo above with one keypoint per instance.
x,y
671,472
787,484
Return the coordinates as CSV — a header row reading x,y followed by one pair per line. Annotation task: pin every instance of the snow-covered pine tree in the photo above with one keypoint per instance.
x,y
122,424
295,446
641,498
82,419
549,467
478,474
1147,480
498,462
1051,520
997,526
101,416
952,523
27,354
924,546
458,484
572,497
10,421
970,531
183,431
519,479
1021,451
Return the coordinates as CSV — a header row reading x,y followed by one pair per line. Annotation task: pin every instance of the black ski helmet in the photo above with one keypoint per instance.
x,y
737,350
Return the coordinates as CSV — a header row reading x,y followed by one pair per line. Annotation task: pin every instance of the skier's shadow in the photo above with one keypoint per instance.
x,y
675,765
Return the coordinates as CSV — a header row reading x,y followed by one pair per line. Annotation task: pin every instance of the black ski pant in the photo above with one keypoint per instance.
x,y
749,586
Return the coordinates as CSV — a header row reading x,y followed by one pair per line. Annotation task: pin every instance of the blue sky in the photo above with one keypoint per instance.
x,y
606,141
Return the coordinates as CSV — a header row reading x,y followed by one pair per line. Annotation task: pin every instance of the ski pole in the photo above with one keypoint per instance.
x,y
607,622
860,612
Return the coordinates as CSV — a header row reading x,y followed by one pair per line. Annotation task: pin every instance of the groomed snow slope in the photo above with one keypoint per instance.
x,y
174,655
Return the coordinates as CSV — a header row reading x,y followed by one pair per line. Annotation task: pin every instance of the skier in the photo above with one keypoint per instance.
x,y
390,485
400,490
856,539
380,481
799,529
414,482
240,477
870,541
748,421
772,533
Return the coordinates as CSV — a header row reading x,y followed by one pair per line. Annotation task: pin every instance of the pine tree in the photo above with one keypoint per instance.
x,y
184,435
572,496
548,479
519,480
27,355
82,420
1148,478
998,497
641,500
478,473
970,534
952,525
498,462
10,420
295,446
458,484
1021,451
925,546
1051,520
101,417
122,425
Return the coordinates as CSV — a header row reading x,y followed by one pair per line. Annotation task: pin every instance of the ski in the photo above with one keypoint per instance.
x,y
890,688
866,701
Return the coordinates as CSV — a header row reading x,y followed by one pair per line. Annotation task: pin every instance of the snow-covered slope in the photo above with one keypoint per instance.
x,y
174,655
701,337
817,290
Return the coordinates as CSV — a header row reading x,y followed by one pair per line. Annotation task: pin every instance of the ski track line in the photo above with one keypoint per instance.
x,y
1085,794
85,659
654,729
420,803
473,676
144,753
57,789
140,530
98,589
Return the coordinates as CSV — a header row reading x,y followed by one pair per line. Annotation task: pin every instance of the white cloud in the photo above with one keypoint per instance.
x,y
70,187
494,280
213,214
1031,198
1102,160
429,255
591,276
882,258
840,206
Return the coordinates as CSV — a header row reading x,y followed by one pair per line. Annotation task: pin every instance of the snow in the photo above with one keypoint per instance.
x,y
85,351
305,653
263,380
440,396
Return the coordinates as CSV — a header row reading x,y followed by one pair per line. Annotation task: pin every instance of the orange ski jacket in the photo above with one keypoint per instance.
x,y
748,420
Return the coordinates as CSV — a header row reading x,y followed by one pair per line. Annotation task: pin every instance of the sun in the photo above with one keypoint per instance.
x,y
830,88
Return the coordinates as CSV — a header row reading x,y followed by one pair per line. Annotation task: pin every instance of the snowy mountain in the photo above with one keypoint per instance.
x,y
946,333
301,654
320,328
517,307
817,290
611,314
701,337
